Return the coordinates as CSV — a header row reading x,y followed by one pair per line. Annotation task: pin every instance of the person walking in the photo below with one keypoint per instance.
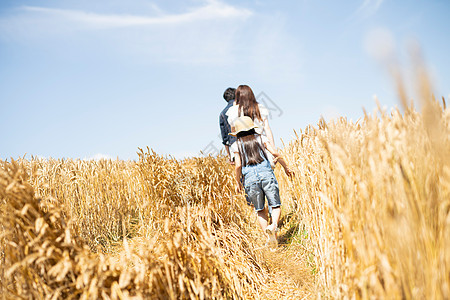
x,y
259,181
246,105
225,128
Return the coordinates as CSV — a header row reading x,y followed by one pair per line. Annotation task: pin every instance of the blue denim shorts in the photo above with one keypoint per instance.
x,y
260,183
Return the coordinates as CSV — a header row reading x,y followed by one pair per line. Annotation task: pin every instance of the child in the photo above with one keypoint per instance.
x,y
259,180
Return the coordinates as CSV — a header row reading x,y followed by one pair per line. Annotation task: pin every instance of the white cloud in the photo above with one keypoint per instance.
x,y
213,10
367,9
214,33
200,35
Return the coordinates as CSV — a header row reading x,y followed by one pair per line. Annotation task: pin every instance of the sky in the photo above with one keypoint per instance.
x,y
100,79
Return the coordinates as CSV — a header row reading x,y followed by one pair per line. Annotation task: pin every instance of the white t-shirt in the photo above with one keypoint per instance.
x,y
232,114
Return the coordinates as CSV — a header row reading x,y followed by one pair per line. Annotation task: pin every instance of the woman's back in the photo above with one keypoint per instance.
x,y
233,114
246,105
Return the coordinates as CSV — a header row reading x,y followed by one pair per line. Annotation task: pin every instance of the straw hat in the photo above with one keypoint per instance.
x,y
244,123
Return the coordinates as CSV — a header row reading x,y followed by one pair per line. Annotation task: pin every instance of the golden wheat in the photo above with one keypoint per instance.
x,y
374,196
156,228
366,216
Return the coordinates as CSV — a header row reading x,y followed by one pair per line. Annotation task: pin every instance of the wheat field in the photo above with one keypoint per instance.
x,y
366,216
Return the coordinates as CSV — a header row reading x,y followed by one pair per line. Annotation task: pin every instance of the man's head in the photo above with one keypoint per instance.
x,y
229,94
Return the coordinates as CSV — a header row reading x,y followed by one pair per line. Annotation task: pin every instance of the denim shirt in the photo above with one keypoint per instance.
x,y
225,127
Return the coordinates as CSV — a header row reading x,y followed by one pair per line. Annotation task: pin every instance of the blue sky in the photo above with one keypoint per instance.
x,y
86,79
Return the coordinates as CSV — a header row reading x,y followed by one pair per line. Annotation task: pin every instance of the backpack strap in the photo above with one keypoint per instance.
x,y
261,146
243,154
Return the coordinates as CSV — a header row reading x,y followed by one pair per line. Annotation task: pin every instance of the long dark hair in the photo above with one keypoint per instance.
x,y
247,102
250,151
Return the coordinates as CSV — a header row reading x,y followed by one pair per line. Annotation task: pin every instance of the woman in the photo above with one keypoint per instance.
x,y
245,105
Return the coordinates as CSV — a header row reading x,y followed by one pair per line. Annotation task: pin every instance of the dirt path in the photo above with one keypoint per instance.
x,y
290,275
288,282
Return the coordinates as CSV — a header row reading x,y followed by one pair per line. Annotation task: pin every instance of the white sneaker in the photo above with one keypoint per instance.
x,y
271,229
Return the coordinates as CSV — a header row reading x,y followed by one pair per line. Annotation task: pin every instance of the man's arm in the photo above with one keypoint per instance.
x,y
223,129
225,136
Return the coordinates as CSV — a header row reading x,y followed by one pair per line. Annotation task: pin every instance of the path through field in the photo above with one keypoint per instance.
x,y
290,273
291,267
290,276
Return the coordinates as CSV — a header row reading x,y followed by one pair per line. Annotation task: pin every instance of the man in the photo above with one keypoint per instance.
x,y
225,128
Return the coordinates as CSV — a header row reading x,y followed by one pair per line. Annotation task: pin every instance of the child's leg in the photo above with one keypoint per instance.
x,y
272,192
255,195
276,211
271,230
262,218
